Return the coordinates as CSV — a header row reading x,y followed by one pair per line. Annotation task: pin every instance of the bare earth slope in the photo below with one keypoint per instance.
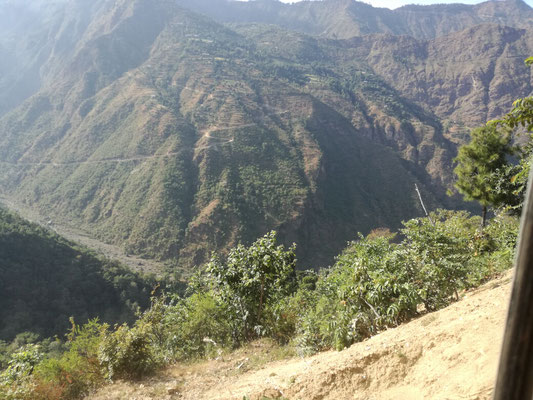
x,y
449,354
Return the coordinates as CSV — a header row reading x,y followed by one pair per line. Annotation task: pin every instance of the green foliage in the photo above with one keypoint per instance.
x,y
366,290
45,279
521,114
195,327
250,281
128,353
437,253
231,302
493,251
480,164
75,372
512,179
15,381
376,283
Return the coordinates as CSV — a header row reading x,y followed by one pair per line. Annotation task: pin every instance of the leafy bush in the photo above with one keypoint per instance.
x,y
76,371
281,318
16,380
250,281
436,252
197,326
366,290
499,243
376,283
129,353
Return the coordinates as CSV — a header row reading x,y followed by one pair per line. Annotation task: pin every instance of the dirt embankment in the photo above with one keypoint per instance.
x,y
449,354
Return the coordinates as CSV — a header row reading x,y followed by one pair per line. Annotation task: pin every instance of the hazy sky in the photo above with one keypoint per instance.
x,y
399,3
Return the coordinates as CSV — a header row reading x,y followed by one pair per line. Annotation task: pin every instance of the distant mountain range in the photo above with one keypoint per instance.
x,y
177,128
345,19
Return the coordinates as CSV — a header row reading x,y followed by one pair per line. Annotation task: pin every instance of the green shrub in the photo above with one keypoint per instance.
x,y
250,281
437,252
376,284
499,238
196,327
77,370
129,353
280,319
366,290
16,380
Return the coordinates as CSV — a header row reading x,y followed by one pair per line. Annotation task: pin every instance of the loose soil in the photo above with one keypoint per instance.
x,y
450,354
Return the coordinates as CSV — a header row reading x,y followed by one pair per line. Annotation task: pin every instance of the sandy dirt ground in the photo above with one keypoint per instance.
x,y
450,354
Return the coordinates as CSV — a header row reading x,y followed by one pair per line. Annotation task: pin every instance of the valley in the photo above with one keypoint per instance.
x,y
218,199
175,130
72,234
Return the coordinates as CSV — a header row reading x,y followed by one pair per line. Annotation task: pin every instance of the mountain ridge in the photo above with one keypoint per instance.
x,y
343,19
202,135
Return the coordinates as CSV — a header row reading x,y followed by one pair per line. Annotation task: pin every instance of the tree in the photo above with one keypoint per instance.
x,y
480,164
252,279
514,178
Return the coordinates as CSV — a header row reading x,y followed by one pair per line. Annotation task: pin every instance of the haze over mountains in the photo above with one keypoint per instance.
x,y
174,128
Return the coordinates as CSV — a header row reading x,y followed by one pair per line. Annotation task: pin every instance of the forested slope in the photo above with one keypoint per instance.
x,y
172,135
45,280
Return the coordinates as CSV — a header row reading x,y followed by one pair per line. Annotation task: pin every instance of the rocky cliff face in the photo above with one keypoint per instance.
x,y
157,128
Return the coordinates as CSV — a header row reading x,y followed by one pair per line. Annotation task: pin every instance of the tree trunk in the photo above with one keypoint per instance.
x,y
261,300
483,217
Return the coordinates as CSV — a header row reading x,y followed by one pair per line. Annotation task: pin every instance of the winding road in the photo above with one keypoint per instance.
x,y
206,135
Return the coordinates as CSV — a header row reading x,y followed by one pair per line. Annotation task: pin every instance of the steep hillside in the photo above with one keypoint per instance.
x,y
465,78
162,131
35,37
45,280
449,354
203,143
344,19
381,81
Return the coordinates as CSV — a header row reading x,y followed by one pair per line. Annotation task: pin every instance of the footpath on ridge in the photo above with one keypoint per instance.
x,y
449,354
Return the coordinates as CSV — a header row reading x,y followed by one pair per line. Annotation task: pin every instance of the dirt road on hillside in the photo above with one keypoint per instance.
x,y
450,354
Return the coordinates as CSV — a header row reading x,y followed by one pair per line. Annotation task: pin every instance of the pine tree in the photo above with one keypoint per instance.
x,y
480,164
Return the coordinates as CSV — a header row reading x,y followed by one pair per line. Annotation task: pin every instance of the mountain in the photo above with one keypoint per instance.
x,y
344,19
160,129
45,280
34,37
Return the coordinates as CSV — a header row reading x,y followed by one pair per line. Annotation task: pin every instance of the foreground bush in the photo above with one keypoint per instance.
x,y
234,300
16,380
250,282
77,370
128,353
195,327
377,282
